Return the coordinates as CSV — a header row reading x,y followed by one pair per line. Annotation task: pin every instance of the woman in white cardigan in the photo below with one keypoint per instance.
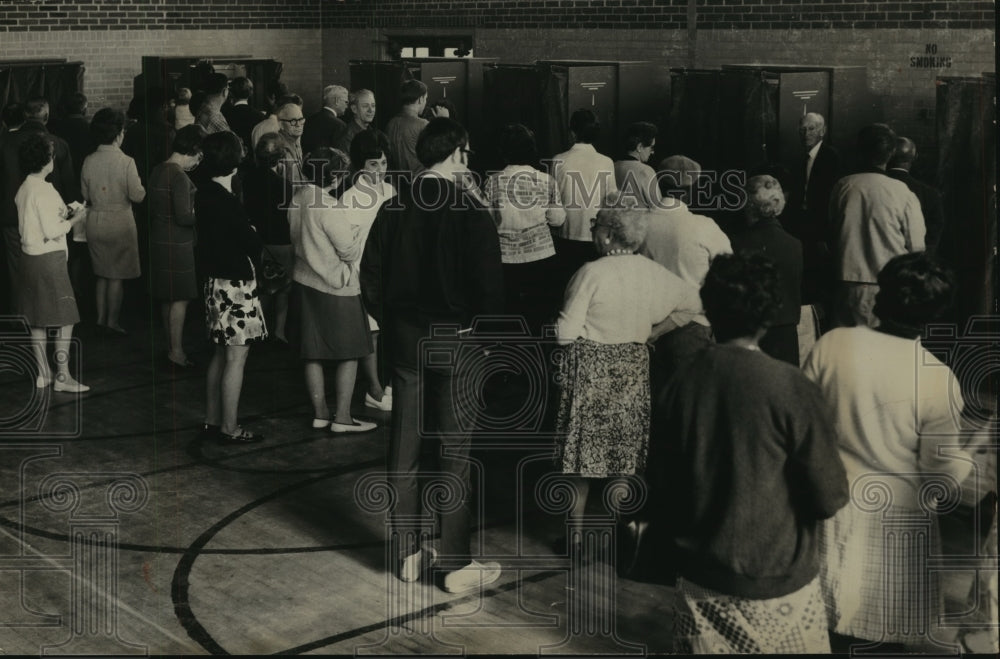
x,y
46,296
326,310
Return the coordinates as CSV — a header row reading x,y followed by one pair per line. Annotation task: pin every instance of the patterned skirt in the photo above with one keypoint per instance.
x,y
233,313
603,412
876,582
710,622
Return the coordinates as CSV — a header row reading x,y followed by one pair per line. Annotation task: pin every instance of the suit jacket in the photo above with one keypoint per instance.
x,y
75,129
810,202
931,204
242,118
62,177
322,129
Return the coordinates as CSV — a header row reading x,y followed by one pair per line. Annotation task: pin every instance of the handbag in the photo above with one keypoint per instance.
x,y
273,277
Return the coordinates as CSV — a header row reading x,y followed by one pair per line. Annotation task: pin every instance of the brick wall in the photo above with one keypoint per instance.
x,y
102,15
111,64
660,14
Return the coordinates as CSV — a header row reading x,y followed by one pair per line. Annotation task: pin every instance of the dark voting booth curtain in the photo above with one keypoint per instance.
x,y
54,80
967,141
722,119
172,73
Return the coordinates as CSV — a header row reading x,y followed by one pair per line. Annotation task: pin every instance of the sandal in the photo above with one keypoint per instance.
x,y
241,436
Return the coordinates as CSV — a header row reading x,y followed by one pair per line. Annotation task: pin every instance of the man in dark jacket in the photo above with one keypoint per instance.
x,y
238,112
432,265
36,116
931,204
325,127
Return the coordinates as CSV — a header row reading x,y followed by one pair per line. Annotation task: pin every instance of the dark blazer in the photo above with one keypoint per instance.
x,y
931,205
227,243
62,176
75,129
811,202
242,118
768,238
322,129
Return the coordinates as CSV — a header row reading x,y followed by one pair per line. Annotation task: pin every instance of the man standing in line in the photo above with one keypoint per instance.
x,y
931,204
874,218
403,129
363,109
325,127
433,261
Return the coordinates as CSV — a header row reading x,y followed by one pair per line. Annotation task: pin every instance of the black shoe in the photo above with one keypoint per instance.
x,y
241,436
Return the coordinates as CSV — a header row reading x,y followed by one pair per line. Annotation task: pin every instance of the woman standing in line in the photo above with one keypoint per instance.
x,y
228,253
171,202
46,293
110,182
326,291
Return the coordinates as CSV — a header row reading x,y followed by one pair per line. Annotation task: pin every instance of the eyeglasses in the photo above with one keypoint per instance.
x,y
294,122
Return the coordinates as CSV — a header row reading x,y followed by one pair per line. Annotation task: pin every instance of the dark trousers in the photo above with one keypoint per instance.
x,y
426,405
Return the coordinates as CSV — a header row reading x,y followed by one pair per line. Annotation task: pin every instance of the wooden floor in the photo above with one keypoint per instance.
x,y
276,547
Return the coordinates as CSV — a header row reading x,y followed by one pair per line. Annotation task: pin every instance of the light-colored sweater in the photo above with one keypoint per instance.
x,y
327,246
41,216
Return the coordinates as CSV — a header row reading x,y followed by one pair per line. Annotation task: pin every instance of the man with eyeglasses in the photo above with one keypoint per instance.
x,y
290,126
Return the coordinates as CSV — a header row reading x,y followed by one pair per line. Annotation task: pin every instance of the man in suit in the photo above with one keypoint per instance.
x,y
240,115
325,127
810,223
362,102
36,116
931,203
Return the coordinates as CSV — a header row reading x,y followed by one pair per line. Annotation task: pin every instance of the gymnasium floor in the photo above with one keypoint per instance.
x,y
262,548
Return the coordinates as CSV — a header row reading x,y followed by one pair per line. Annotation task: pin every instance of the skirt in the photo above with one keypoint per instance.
x,y
233,313
709,622
880,588
173,272
113,242
46,295
602,417
328,327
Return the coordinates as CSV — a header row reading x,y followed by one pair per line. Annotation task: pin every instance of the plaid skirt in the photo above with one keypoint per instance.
x,y
876,582
603,413
710,622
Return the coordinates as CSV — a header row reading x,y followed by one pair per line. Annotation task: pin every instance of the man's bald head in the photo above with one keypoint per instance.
x,y
812,129
906,153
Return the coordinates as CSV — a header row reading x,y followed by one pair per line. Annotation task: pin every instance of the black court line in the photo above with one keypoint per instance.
x,y
428,611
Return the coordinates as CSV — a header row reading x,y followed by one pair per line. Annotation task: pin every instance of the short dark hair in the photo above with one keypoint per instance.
x,y
287,99
36,109
876,144
106,125
326,163
270,150
223,152
187,141
368,145
741,295
215,84
447,105
241,88
439,139
411,91
585,126
34,153
517,145
914,289
641,133
75,103
12,115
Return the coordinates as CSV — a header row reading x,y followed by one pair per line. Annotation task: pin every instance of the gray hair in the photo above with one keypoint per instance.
x,y
765,198
333,92
627,224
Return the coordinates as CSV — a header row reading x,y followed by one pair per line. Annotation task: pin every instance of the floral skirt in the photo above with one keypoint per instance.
x,y
710,622
603,412
233,313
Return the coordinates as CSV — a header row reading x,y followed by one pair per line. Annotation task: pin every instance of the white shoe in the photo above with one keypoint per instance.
x,y
356,426
385,404
321,423
414,565
472,576
69,385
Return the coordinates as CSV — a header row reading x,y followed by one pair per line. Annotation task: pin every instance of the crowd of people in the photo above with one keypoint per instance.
x,y
681,355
